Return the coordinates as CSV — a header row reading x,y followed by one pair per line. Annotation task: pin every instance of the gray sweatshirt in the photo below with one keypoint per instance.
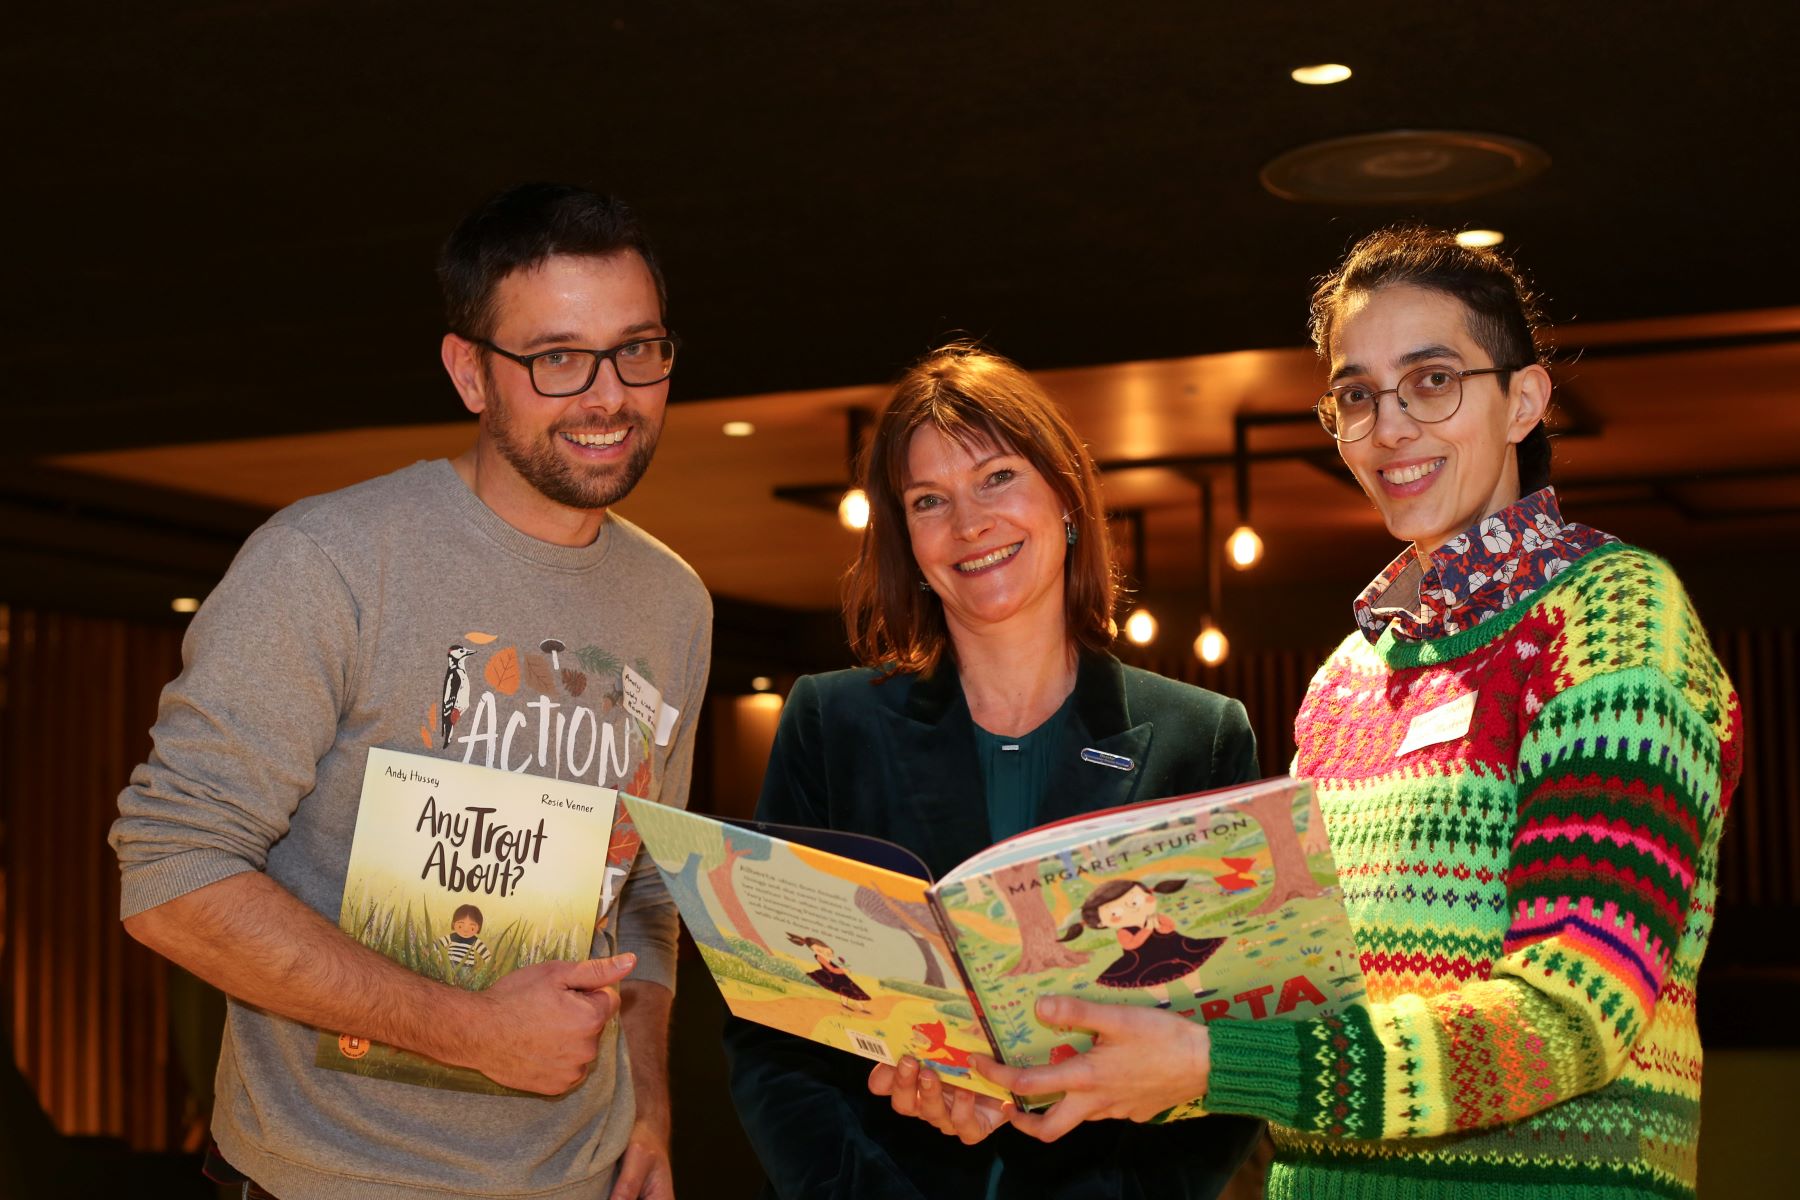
x,y
404,613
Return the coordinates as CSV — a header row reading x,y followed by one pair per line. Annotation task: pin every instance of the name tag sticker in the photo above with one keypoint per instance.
x,y
1445,723
644,702
641,697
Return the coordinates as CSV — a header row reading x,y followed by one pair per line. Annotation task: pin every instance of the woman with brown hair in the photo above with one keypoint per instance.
x,y
981,605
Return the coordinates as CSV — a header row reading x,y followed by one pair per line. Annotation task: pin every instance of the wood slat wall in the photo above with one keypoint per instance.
x,y
1270,683
1759,863
88,1006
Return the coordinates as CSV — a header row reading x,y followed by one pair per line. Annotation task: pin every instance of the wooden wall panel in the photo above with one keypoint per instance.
x,y
1270,683
88,1006
1759,863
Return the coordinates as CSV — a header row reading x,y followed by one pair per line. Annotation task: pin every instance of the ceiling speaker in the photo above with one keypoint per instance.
x,y
1403,166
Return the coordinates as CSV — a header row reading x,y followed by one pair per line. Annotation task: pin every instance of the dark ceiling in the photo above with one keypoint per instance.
x,y
224,215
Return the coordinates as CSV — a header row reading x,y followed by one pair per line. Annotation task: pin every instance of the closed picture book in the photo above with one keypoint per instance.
x,y
1218,906
464,873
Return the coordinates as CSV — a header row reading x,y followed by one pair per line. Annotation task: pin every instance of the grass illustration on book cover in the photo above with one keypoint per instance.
x,y
1217,906
462,874
827,946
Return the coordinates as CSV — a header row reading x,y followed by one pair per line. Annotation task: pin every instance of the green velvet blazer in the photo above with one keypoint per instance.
x,y
897,759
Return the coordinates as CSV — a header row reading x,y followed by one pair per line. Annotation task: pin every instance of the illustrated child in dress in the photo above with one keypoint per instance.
x,y
833,974
1155,955
463,943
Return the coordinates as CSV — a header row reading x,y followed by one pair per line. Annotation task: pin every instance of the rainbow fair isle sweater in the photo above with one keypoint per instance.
x,y
1525,814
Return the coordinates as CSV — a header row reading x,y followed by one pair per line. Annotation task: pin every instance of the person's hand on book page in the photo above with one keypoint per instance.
x,y
543,1023
1144,1061
916,1091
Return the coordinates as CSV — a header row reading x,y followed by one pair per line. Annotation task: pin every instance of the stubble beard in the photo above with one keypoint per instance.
x,y
547,470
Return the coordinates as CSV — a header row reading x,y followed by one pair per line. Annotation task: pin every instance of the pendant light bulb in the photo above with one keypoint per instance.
x,y
1140,627
1244,548
853,510
1211,647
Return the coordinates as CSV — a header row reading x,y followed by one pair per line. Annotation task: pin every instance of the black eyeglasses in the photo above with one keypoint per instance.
x,y
1427,394
639,363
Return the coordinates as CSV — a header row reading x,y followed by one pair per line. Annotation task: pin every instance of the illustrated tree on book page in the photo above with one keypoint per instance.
x,y
1293,874
735,848
1039,951
914,920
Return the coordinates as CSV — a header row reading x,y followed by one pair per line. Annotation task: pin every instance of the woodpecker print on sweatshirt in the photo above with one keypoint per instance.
x,y
549,706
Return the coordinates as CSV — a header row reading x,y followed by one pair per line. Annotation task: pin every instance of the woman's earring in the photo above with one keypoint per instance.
x,y
924,584
1070,532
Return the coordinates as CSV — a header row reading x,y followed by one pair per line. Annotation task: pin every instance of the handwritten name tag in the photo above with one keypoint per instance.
x,y
644,702
1445,723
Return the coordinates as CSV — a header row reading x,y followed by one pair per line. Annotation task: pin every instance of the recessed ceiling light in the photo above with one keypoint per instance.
x,y
739,429
1477,238
184,604
1320,73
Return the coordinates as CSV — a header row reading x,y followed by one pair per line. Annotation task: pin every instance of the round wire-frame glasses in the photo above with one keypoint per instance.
x,y
1427,394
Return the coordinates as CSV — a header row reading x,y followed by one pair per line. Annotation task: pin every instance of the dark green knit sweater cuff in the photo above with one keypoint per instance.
x,y
1323,1075
1255,1070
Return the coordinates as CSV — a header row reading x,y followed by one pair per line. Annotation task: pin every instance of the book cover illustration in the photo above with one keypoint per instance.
x,y
818,944
462,874
1214,907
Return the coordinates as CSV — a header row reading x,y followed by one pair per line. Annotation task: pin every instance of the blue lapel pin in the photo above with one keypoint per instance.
x,y
1117,762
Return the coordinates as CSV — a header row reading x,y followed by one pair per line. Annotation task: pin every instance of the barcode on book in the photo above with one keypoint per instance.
x,y
869,1047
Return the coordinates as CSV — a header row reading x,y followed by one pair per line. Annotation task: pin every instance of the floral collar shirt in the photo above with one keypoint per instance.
x,y
1477,574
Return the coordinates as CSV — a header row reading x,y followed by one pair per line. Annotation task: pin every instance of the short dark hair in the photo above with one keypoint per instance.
x,y
972,396
470,911
1503,313
520,228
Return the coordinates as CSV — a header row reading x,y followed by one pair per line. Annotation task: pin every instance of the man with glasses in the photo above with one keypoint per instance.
x,y
328,636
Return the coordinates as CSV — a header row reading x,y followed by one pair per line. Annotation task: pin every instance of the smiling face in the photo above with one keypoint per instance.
x,y
1133,910
1432,481
987,533
466,926
583,452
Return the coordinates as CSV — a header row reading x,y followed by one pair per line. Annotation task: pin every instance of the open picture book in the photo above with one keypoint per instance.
x,y
464,873
1221,905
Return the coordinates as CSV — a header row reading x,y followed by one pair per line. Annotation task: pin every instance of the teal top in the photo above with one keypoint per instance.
x,y
1014,774
1015,771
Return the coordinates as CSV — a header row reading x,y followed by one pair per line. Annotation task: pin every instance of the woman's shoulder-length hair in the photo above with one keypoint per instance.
x,y
976,398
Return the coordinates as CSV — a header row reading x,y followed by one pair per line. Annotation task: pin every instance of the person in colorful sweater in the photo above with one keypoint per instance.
x,y
1524,757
